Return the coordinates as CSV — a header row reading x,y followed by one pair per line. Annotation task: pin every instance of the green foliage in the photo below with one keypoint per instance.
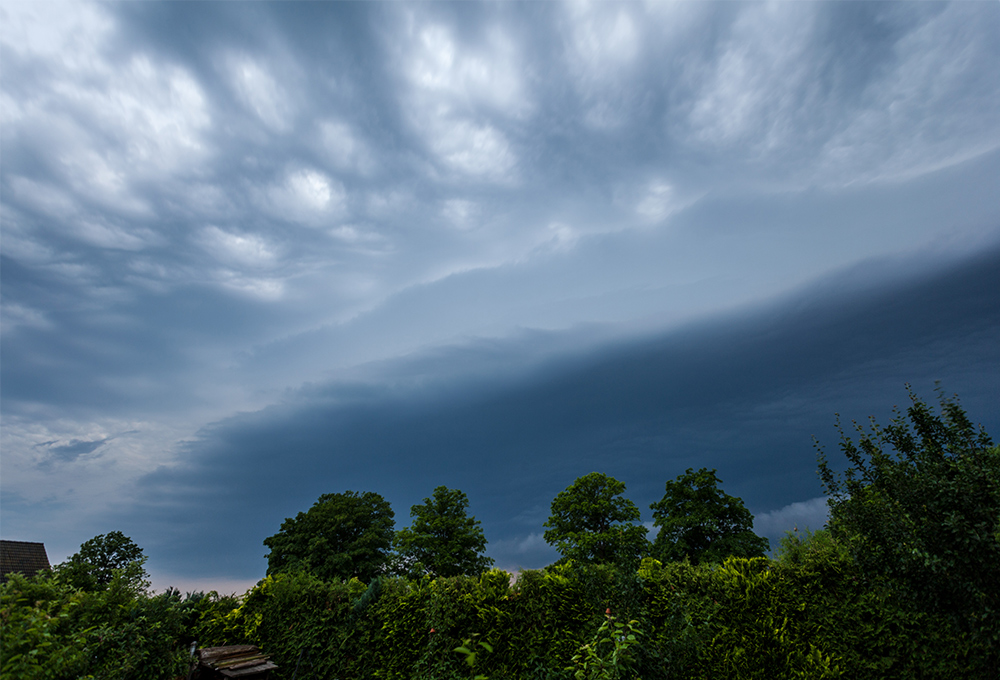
x,y
758,631
443,540
551,614
609,656
811,548
591,522
133,636
736,620
343,535
203,616
700,522
92,617
467,648
430,618
681,611
53,630
808,614
873,631
919,511
37,638
411,628
296,613
94,566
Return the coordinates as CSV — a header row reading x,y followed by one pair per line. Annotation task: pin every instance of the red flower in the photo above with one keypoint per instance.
x,y
608,610
432,630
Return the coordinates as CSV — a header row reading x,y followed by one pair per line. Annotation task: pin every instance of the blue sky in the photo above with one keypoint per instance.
x,y
253,253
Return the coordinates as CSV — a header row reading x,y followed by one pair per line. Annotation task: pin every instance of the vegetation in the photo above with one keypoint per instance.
x,y
592,523
54,629
919,511
343,535
95,565
701,523
901,585
443,540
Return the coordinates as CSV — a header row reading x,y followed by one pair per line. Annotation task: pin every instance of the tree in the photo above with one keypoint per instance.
x,y
342,535
94,566
590,522
701,522
919,509
443,540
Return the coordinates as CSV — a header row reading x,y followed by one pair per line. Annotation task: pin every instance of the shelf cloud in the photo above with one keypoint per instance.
x,y
252,253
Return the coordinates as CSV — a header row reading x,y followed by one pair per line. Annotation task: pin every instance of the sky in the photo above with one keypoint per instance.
x,y
252,253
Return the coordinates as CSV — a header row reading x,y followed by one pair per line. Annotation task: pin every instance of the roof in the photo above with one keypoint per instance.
x,y
23,557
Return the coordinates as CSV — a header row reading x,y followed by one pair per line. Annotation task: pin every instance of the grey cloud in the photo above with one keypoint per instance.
x,y
74,448
341,56
513,554
802,516
482,243
742,394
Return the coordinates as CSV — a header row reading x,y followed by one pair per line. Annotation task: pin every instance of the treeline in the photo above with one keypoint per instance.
x,y
902,584
350,535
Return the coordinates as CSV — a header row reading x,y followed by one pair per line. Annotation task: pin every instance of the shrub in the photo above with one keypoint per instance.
x,y
37,638
53,630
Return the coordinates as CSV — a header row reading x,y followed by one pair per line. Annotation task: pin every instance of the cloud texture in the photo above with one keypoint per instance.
x,y
252,253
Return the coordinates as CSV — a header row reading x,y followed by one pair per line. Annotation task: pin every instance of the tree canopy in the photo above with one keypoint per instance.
x,y
442,539
701,522
94,566
342,535
591,522
919,509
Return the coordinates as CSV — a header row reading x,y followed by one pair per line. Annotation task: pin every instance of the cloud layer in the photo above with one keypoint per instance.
x,y
390,246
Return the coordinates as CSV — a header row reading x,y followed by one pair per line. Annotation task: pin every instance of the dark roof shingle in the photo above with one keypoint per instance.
x,y
23,557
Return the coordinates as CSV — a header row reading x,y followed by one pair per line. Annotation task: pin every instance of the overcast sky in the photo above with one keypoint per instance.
x,y
254,253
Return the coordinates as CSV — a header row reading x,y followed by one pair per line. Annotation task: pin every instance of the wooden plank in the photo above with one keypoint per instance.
x,y
247,672
213,653
236,658
242,662
227,649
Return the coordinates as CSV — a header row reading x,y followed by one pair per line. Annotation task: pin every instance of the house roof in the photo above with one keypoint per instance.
x,y
23,557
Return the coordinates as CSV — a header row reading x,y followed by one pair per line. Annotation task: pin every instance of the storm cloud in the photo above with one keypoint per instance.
x,y
256,252
513,425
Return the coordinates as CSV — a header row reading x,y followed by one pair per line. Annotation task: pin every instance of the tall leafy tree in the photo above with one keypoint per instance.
x,y
919,509
94,566
443,540
701,522
342,535
592,522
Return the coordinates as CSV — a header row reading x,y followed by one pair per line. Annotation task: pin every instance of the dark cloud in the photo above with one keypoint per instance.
x,y
75,448
489,245
744,395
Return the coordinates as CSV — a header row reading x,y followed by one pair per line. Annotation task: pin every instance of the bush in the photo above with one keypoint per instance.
x,y
53,630
38,639
919,510
398,628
